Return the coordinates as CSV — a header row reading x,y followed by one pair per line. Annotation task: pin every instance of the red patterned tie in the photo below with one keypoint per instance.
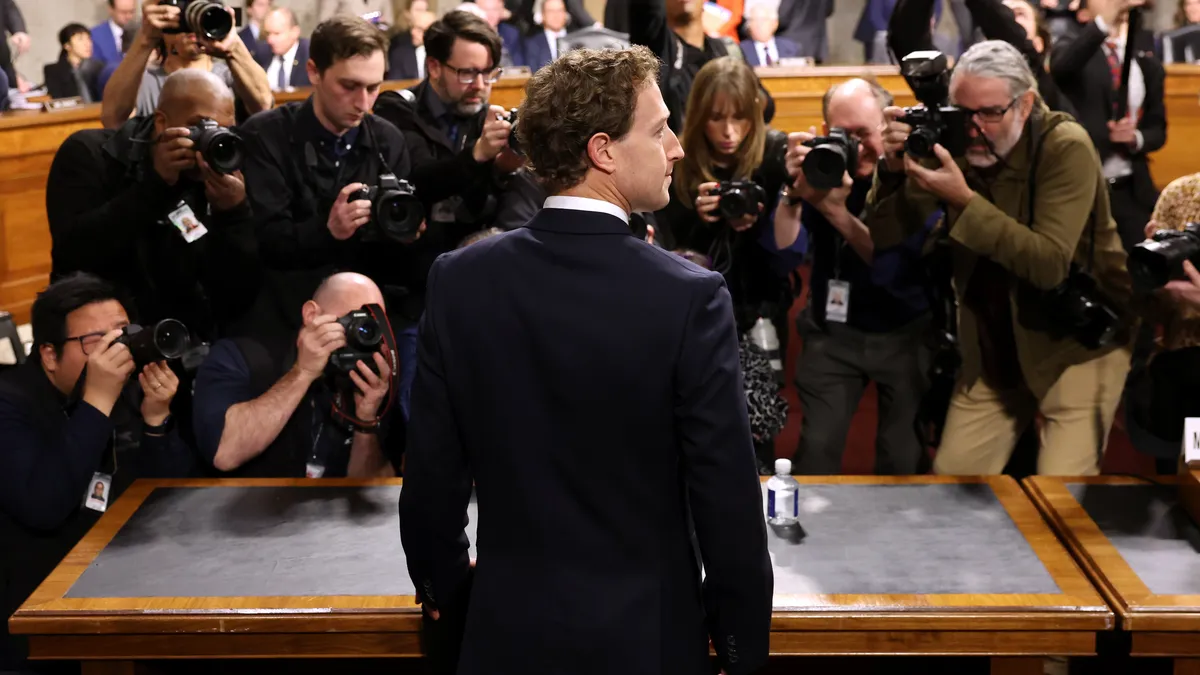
x,y
1114,63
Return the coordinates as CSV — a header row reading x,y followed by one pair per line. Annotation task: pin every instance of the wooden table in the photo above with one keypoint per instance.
x,y
118,596
1133,539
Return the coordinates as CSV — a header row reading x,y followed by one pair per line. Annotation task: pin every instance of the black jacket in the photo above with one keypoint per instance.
x,y
11,22
292,206
1081,69
460,195
588,384
402,59
108,210
649,27
52,446
60,79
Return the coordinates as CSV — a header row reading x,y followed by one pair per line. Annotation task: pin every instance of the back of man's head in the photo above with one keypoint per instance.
x,y
460,25
585,93
192,93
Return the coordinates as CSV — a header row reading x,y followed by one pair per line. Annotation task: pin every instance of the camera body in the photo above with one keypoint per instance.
x,y
396,213
221,148
202,17
830,158
739,198
363,338
514,143
1153,263
934,121
166,340
1077,308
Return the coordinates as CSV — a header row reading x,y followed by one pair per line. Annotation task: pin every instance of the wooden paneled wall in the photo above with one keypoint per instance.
x,y
28,142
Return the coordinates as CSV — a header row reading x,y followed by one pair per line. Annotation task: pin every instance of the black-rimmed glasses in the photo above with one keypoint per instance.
x,y
990,114
468,75
87,342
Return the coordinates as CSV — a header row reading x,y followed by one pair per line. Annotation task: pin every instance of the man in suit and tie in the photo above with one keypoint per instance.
x,y
763,48
588,385
542,47
1087,66
284,61
107,37
252,34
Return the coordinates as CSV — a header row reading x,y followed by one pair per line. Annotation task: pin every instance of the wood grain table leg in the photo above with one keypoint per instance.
x,y
1010,665
1187,666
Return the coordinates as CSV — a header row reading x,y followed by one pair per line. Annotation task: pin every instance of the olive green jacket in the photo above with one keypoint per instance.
x,y
1071,196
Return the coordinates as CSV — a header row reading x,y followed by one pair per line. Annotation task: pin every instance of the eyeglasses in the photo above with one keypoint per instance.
x,y
863,132
991,114
468,75
87,342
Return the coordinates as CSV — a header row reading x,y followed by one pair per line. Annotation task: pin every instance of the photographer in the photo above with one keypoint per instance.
x,y
142,207
868,309
306,163
1026,212
135,89
262,406
60,415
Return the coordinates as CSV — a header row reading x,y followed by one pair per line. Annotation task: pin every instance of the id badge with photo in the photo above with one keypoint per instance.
x,y
445,211
314,470
837,301
98,490
187,223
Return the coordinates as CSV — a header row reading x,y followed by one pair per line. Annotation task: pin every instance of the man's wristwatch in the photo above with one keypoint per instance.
x,y
785,194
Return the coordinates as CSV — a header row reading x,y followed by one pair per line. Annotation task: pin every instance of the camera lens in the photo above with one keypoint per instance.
x,y
224,152
170,338
921,141
363,333
824,166
399,215
733,204
209,19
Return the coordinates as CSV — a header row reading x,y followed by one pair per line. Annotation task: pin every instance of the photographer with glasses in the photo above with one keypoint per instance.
x,y
60,416
267,406
868,309
1038,268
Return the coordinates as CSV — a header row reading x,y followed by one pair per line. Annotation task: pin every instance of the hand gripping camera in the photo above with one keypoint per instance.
x,y
514,143
202,17
934,121
1153,263
166,340
739,198
830,158
396,213
221,148
368,332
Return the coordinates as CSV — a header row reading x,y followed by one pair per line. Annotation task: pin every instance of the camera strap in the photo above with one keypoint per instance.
x,y
343,401
383,165
1033,166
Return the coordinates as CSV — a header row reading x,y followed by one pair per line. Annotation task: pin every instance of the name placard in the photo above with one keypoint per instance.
x,y
62,103
1191,442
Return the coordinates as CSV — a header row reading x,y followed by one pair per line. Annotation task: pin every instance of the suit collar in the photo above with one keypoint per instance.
x,y
575,215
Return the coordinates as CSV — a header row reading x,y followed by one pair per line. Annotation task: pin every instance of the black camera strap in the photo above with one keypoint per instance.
x,y
383,165
344,400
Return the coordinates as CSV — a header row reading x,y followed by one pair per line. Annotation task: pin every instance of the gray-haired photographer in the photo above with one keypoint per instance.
x,y
1038,268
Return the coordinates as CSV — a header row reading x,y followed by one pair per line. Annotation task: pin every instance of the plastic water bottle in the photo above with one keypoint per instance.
x,y
782,505
763,336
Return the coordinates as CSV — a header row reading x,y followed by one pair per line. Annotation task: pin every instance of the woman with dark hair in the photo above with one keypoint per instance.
x,y
1016,22
75,72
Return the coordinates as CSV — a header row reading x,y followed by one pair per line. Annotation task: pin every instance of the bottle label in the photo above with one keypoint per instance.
x,y
784,505
770,503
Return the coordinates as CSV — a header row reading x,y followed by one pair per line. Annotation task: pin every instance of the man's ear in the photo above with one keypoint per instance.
x,y
49,358
600,151
310,311
311,68
824,128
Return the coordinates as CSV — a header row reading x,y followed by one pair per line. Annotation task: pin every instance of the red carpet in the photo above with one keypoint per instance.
x,y
860,444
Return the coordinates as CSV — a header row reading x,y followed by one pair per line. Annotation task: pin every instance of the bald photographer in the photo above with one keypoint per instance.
x,y
1038,266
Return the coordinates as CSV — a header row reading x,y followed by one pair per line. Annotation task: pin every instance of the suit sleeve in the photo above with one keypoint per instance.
x,y
908,27
1153,123
13,18
648,27
998,23
579,14
722,483
90,227
1072,51
437,476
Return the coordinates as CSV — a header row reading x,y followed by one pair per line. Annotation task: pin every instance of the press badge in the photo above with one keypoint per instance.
x,y
445,210
313,470
187,223
98,489
837,301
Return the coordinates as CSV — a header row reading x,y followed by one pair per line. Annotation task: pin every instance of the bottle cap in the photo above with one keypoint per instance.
x,y
783,467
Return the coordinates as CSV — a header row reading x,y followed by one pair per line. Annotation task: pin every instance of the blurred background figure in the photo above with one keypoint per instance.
x,y
75,72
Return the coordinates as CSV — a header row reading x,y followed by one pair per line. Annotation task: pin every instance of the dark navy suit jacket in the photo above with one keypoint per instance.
x,y
588,383
786,48
537,50
299,76
511,38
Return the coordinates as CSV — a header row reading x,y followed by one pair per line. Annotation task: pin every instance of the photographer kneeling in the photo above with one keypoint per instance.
x,y
868,311
60,416
1039,270
274,408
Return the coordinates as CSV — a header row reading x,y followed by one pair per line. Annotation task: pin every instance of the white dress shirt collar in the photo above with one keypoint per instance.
x,y
586,204
552,38
117,31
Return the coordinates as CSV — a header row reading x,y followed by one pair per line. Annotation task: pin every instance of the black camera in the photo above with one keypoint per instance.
x,y
220,147
1077,308
934,121
1153,263
166,340
363,337
202,17
739,198
514,143
396,214
830,158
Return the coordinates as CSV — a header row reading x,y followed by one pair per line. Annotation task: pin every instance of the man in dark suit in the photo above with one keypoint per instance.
x,y
75,71
287,53
12,23
803,22
1087,66
588,384
108,36
763,48
542,47
252,33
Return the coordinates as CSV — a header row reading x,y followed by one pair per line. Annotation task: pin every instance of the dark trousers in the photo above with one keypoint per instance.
x,y
833,370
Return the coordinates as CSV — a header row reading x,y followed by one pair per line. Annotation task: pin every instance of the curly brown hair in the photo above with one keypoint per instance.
x,y
584,93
